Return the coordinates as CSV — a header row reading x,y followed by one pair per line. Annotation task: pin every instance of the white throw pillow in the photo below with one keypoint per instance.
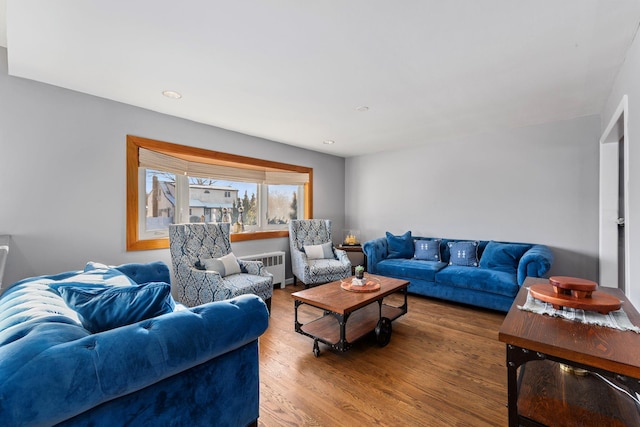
x,y
225,265
323,251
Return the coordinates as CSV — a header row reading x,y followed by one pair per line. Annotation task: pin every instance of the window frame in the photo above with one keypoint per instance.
x,y
134,143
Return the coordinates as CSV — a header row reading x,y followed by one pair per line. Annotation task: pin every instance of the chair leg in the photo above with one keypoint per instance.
x,y
295,282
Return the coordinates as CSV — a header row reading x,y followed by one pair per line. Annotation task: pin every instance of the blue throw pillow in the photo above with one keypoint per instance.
x,y
428,250
400,246
503,256
463,253
104,308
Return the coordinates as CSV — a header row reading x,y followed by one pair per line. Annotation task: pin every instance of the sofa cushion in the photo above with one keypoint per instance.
x,y
503,256
104,308
428,250
463,253
410,268
323,251
482,279
400,246
328,268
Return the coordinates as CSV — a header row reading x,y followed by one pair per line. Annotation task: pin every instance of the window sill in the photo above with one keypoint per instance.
x,y
257,235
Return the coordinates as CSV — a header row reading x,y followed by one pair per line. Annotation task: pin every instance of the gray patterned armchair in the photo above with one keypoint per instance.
x,y
327,264
193,245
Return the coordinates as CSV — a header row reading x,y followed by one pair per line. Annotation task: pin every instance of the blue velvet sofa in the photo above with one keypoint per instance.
x,y
108,346
482,273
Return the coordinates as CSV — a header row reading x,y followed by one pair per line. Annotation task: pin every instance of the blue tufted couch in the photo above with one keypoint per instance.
x,y
196,366
493,282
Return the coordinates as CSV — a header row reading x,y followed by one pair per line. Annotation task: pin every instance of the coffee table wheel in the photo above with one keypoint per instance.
x,y
383,331
316,348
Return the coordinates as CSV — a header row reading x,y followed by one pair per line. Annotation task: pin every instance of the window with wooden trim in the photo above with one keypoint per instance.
x,y
171,183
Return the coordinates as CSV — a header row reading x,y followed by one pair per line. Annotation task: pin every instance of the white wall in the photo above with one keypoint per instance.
x,y
537,184
628,83
62,175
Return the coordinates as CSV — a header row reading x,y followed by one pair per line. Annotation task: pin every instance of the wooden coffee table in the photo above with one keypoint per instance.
x,y
348,315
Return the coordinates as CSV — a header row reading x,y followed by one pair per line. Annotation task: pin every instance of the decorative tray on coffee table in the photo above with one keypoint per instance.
x,y
572,292
369,284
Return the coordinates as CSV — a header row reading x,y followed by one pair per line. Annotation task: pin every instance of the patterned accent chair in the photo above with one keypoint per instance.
x,y
189,244
315,271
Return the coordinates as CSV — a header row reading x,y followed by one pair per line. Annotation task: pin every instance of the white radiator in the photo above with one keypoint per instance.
x,y
273,262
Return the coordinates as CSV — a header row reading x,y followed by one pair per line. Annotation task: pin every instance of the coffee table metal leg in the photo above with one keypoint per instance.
x,y
404,307
297,325
342,345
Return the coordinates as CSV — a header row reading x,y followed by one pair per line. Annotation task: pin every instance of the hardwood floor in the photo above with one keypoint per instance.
x,y
444,366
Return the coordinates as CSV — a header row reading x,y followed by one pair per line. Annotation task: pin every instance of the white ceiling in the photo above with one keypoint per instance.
x,y
295,71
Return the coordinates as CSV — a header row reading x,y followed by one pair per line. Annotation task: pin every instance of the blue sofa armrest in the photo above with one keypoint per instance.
x,y
536,262
86,372
376,250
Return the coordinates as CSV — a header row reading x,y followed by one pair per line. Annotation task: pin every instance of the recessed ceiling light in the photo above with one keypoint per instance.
x,y
171,94
328,141
362,108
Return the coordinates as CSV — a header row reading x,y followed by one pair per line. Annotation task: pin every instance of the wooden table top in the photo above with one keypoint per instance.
x,y
350,248
333,298
598,346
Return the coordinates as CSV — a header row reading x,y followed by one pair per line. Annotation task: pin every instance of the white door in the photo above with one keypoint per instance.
x,y
614,241
609,214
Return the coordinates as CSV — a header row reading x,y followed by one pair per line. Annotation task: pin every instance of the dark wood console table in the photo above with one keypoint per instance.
x,y
544,358
357,249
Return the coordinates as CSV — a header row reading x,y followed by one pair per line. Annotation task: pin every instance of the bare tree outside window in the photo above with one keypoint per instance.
x,y
280,203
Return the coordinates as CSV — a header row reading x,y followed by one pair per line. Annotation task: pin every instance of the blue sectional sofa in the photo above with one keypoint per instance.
x,y
108,346
482,273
